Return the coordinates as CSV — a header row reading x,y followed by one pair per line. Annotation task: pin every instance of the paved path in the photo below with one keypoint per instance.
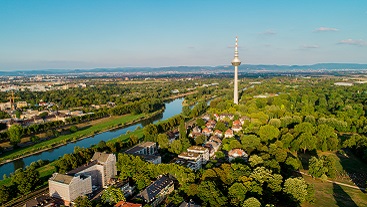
x,y
343,184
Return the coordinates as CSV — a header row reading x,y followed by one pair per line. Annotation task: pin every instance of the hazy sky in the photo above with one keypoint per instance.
x,y
37,34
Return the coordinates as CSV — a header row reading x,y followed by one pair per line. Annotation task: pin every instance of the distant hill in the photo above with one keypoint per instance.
x,y
189,69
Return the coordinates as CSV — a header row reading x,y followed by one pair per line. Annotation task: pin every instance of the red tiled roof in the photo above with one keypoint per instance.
x,y
127,204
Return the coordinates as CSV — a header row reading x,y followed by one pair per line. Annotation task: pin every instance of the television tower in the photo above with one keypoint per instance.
x,y
236,62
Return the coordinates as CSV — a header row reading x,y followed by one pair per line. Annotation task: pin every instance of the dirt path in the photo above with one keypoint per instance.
x,y
330,181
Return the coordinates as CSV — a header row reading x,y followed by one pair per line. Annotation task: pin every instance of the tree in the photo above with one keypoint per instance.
x,y
200,122
73,129
134,139
268,132
327,138
176,147
15,132
296,188
112,195
34,138
82,201
26,180
186,111
150,131
234,144
221,126
316,167
251,202
330,164
182,129
307,141
250,142
4,194
255,160
101,145
199,140
163,141
209,193
236,193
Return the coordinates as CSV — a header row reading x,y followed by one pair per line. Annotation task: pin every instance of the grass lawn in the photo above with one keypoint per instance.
x,y
332,195
350,170
87,131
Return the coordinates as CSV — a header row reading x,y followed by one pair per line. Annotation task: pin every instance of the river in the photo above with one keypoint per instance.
x,y
171,108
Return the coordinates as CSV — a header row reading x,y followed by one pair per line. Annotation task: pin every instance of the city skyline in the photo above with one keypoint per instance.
x,y
90,34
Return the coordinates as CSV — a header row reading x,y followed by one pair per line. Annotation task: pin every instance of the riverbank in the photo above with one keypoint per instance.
x,y
114,123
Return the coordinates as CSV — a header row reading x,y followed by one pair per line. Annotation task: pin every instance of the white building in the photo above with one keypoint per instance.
x,y
83,180
68,188
204,152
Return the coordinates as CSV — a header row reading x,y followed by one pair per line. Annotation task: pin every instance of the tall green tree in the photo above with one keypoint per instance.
x,y
251,202
163,141
112,195
15,133
268,133
296,188
82,201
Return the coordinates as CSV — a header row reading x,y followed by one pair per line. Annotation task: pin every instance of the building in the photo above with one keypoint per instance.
x,y
147,150
212,146
237,153
204,152
189,204
343,84
43,200
228,133
218,133
191,160
207,132
236,62
84,179
68,188
156,192
236,128
127,204
22,104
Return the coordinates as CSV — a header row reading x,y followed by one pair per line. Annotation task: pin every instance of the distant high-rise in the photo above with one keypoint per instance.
x,y
236,62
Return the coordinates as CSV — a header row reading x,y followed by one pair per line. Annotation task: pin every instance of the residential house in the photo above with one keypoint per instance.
x,y
206,117
212,147
236,128
228,133
243,119
207,132
218,133
211,124
217,117
237,153
156,192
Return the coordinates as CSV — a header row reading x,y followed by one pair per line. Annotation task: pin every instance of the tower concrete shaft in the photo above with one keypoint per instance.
x,y
236,62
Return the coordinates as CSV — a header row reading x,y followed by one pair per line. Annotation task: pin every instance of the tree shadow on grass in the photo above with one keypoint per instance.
x,y
355,168
342,198
305,157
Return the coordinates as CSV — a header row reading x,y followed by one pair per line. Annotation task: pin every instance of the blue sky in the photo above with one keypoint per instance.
x,y
38,34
